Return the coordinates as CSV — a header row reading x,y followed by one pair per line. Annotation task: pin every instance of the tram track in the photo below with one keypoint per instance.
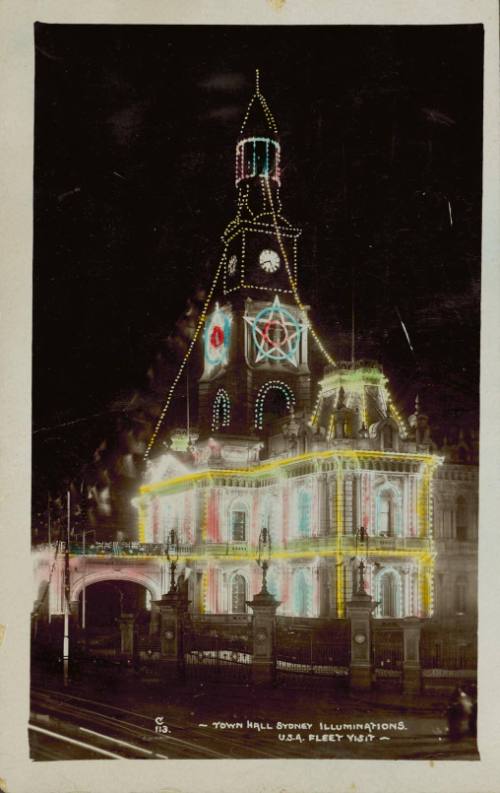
x,y
135,732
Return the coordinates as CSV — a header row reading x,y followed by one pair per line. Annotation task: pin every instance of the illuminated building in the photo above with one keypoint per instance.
x,y
331,468
340,480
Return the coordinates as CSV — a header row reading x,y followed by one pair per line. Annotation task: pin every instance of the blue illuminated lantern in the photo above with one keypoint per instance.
x,y
217,338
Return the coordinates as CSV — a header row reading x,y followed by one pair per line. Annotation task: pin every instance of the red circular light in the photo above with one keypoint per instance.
x,y
282,334
217,336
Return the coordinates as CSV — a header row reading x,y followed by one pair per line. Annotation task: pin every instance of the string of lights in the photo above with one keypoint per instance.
x,y
291,279
201,322
265,107
259,402
221,410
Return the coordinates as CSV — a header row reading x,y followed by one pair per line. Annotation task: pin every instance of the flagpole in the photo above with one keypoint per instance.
x,y
50,548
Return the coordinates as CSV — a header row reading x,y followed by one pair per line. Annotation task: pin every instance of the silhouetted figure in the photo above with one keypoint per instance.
x,y
459,712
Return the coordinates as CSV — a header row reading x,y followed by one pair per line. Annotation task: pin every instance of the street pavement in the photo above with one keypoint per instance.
x,y
125,716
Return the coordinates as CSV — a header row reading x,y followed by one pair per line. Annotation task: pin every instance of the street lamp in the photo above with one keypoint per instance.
x,y
173,556
264,555
361,585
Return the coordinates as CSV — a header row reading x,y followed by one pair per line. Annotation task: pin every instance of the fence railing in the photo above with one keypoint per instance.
x,y
448,650
349,545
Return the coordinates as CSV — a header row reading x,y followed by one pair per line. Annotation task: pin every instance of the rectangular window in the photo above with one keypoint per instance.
x,y
239,526
461,595
447,523
304,510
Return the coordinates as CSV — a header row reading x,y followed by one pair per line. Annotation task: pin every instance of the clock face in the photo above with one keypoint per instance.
x,y
217,337
269,261
232,264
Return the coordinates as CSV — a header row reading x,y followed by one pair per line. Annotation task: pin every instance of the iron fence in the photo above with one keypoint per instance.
x,y
312,652
448,650
388,653
218,650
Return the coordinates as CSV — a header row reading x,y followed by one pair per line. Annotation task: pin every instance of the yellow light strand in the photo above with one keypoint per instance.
x,y
240,556
142,522
201,322
339,506
259,470
291,279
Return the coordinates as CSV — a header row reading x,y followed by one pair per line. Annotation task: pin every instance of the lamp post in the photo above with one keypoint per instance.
x,y
361,585
66,594
173,556
264,556
264,606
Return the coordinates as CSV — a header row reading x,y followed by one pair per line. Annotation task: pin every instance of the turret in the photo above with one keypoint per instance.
x,y
260,244
256,333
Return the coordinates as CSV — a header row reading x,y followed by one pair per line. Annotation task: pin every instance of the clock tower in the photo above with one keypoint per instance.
x,y
255,340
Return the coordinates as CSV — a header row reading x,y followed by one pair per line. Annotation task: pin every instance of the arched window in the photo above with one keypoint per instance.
x,y
273,584
388,437
447,522
388,512
385,514
238,594
239,519
461,594
389,595
301,594
283,402
221,411
461,518
304,513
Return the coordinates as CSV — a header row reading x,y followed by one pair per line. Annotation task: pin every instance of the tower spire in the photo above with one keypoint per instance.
x,y
257,82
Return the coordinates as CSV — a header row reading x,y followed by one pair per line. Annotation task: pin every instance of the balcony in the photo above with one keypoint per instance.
x,y
378,543
126,549
309,545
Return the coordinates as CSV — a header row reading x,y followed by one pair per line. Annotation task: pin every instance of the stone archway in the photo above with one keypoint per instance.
x,y
134,577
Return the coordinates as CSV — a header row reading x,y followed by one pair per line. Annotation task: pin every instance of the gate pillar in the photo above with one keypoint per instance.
x,y
264,607
172,607
126,622
412,671
359,611
154,623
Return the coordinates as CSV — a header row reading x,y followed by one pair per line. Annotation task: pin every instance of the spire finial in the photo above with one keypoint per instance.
x,y
257,82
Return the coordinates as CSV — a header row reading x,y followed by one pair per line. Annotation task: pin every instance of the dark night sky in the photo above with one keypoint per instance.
x,y
135,129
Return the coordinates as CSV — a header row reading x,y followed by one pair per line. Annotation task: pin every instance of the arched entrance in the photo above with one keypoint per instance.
x,y
113,617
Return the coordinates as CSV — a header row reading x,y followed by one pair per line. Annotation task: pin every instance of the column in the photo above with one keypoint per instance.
x,y
322,506
324,589
359,610
264,608
412,672
172,608
74,610
348,503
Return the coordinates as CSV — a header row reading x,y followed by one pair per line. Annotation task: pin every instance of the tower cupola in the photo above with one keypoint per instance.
x,y
258,150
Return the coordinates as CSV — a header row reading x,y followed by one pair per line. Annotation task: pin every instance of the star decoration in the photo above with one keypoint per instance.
x,y
276,333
